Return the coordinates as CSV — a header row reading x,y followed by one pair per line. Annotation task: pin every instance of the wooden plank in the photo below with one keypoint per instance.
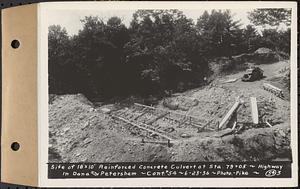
x,y
229,113
142,105
157,142
208,123
141,114
254,110
157,118
141,127
173,112
234,125
268,124
267,85
271,88
196,125
183,121
158,130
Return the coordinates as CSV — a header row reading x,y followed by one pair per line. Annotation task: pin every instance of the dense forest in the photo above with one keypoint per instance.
x,y
161,50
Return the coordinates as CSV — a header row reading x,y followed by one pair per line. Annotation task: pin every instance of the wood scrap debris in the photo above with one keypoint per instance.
x,y
230,80
275,90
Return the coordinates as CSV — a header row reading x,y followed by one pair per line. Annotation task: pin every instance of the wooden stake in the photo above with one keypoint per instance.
x,y
254,110
268,124
234,125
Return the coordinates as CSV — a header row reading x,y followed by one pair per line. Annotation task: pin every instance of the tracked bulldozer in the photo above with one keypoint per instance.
x,y
253,74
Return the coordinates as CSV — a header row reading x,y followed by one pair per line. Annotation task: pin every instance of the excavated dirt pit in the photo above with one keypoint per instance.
x,y
79,131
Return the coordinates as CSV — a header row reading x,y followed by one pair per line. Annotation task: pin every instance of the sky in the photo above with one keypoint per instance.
x,y
70,19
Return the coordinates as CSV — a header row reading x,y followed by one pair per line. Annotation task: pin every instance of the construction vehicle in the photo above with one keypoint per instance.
x,y
253,74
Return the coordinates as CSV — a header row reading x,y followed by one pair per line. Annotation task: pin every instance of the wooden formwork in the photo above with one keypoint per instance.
x,y
145,127
149,119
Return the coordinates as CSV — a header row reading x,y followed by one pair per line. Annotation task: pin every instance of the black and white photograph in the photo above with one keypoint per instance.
x,y
169,85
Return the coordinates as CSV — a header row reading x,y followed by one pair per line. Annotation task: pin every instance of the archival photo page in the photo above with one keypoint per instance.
x,y
133,88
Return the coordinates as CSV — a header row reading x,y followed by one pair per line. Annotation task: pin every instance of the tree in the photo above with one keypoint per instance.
x,y
161,50
270,20
58,53
100,55
219,32
164,46
202,23
90,62
251,39
276,40
117,32
272,17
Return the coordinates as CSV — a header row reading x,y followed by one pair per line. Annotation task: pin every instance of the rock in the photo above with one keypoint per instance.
x,y
282,133
170,104
263,50
92,117
169,129
66,129
184,135
87,140
223,132
85,125
105,110
153,135
83,160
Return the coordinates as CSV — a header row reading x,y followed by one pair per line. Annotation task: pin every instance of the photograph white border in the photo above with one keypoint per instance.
x,y
43,11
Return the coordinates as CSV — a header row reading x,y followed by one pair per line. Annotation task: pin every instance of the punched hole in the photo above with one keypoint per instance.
x,y
15,146
15,44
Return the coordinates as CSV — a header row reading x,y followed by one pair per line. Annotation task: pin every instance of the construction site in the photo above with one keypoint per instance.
x,y
228,119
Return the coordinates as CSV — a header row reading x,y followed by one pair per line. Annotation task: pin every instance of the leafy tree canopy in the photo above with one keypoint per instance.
x,y
219,31
272,17
160,50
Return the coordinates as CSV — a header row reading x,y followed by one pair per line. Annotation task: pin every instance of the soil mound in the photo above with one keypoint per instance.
x,y
80,133
263,50
252,145
260,56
